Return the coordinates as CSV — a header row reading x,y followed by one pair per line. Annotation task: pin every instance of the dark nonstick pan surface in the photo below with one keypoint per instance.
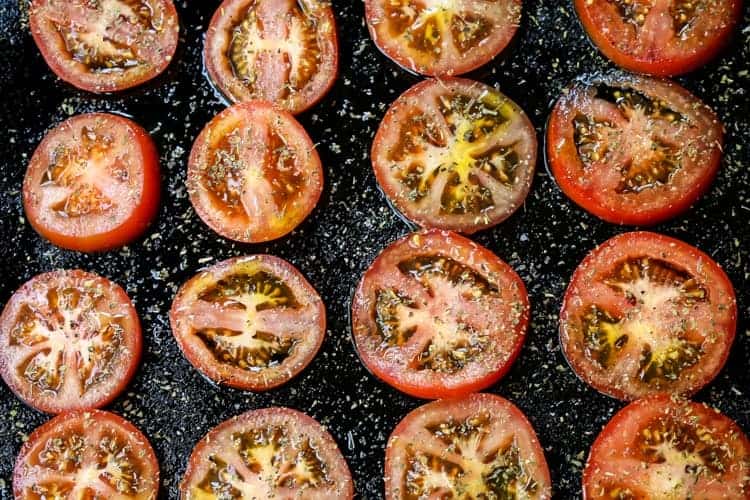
x,y
544,241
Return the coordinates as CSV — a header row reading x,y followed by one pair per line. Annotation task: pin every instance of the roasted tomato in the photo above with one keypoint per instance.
x,y
442,38
251,322
282,51
645,313
93,183
632,149
86,455
455,154
69,340
668,37
480,446
105,45
437,315
662,447
269,453
254,174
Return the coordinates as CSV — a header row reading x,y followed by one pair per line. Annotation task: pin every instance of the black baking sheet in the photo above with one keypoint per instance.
x,y
544,241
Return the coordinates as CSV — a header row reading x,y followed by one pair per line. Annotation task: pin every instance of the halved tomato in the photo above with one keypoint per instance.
x,y
667,448
437,316
86,454
251,322
668,37
69,340
282,51
645,313
481,446
268,453
632,149
93,183
442,37
455,154
254,174
105,45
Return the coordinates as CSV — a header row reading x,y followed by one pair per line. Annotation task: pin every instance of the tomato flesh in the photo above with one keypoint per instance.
x,y
661,38
69,340
268,453
282,51
632,149
662,447
480,446
440,37
93,183
105,45
252,322
645,313
455,154
437,315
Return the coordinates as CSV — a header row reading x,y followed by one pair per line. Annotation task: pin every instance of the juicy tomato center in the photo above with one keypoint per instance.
x,y
681,14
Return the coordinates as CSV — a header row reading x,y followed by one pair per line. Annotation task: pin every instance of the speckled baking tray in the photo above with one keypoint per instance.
x,y
543,241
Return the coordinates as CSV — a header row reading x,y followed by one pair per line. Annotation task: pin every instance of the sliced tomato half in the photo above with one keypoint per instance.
x,y
252,322
93,183
105,45
69,340
268,453
632,149
254,174
437,315
481,446
455,154
282,51
442,37
667,37
86,454
664,447
645,313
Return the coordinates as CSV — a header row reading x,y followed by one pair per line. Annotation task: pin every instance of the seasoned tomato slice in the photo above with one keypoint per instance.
x,y
86,455
93,183
268,453
645,313
480,447
667,448
632,149
659,37
455,154
442,37
251,322
437,315
282,51
69,340
105,45
254,174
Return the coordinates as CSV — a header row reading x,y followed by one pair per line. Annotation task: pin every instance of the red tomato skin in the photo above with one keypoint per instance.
x,y
658,67
631,241
130,229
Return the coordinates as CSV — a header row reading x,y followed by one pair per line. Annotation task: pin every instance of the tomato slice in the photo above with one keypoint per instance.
x,y
251,322
481,446
437,315
660,37
632,149
268,453
69,340
105,45
455,154
282,51
664,447
254,174
646,313
93,183
442,37
86,454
